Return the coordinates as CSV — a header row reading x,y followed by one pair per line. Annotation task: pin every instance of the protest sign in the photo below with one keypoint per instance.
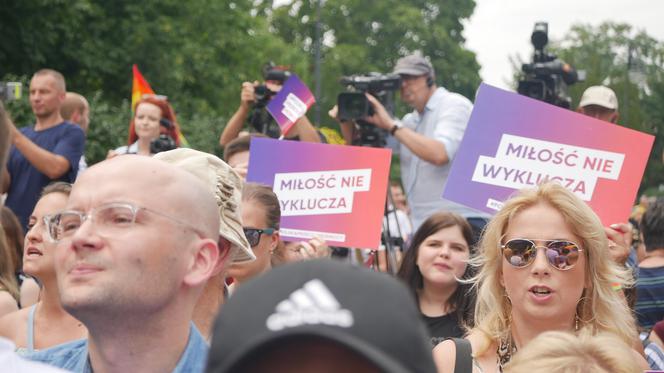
x,y
333,192
290,103
514,142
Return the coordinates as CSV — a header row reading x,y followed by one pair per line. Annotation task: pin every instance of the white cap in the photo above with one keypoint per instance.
x,y
599,95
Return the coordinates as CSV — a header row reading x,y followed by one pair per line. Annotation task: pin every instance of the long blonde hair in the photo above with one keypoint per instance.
x,y
600,309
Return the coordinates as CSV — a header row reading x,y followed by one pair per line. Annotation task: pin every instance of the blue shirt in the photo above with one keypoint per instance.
x,y
444,119
73,356
64,139
649,305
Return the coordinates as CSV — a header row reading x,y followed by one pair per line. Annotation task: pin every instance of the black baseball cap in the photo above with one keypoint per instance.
x,y
370,313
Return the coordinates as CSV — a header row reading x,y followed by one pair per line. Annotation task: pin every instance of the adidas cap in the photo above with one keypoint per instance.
x,y
369,313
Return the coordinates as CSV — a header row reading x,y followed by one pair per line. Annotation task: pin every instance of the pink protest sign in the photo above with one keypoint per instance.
x,y
333,192
514,142
291,103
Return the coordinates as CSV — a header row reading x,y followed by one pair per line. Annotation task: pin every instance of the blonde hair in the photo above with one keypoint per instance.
x,y
600,309
566,353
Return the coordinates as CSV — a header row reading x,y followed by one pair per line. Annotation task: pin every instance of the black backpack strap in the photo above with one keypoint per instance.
x,y
464,358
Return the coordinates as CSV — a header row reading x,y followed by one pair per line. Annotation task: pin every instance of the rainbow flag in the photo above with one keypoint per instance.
x,y
140,87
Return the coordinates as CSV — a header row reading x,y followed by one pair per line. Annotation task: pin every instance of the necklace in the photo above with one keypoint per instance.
x,y
506,348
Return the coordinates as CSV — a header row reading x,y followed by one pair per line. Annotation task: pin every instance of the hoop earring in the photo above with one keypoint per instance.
x,y
578,321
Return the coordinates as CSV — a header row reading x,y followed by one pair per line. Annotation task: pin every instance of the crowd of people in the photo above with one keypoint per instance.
x,y
162,258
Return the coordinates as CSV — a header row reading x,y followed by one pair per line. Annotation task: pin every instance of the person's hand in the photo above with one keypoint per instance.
x,y
347,126
381,118
315,248
620,240
248,93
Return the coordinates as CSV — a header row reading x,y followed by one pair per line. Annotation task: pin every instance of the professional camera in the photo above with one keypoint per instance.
x,y
260,119
354,105
546,78
164,142
10,91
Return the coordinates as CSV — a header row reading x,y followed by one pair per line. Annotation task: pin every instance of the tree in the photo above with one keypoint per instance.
x,y
196,52
362,36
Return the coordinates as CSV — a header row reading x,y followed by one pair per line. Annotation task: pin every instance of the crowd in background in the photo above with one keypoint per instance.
x,y
125,265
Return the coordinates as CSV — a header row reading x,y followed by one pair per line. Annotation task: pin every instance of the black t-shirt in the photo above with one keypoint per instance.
x,y
441,327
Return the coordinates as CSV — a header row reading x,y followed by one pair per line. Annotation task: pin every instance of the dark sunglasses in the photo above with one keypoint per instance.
x,y
562,255
254,235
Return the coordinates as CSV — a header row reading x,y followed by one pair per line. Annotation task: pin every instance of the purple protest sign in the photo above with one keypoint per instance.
x,y
291,103
515,142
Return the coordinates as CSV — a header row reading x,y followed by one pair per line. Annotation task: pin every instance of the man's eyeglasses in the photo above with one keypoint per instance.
x,y
109,219
560,254
254,235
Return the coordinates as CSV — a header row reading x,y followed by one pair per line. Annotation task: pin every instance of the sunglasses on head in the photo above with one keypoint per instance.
x,y
560,254
254,235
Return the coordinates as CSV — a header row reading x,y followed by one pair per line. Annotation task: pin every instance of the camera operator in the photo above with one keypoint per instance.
x,y
153,128
599,102
429,138
302,129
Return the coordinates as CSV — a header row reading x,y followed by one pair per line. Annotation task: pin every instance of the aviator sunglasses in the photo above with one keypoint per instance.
x,y
560,254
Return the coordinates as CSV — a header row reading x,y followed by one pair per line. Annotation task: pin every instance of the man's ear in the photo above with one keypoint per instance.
x,y
615,117
225,257
75,116
204,263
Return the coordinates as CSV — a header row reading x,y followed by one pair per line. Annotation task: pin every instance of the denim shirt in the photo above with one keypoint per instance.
x,y
73,356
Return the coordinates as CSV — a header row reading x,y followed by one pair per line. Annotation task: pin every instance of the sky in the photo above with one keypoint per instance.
x,y
502,28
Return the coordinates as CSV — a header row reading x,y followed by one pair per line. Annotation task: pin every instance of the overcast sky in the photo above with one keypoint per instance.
x,y
500,28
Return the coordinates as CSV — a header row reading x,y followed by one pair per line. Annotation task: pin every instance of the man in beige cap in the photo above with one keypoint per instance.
x,y
599,102
227,188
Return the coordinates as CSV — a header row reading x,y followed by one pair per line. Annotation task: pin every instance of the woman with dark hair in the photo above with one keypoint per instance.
x,y
260,219
432,267
28,287
8,287
153,116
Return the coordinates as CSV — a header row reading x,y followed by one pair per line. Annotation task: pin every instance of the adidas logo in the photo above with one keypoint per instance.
x,y
313,304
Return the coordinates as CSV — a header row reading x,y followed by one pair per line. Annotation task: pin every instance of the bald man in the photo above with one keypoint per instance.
x,y
48,151
76,109
133,255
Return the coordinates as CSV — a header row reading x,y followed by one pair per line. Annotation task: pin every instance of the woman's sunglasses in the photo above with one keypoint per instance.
x,y
254,235
562,255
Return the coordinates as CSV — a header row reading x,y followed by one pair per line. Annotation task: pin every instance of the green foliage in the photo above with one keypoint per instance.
x,y
198,52
363,36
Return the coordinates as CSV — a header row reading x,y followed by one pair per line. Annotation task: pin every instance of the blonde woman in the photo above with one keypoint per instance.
x,y
545,266
560,352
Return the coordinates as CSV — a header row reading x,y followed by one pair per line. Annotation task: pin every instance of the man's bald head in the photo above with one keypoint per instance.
x,y
76,109
59,78
156,184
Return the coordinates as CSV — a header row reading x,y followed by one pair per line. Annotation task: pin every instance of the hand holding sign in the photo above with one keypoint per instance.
x,y
291,103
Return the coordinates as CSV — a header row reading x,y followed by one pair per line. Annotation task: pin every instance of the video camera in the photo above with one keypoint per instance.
x,y
260,119
354,105
546,78
164,142
10,91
